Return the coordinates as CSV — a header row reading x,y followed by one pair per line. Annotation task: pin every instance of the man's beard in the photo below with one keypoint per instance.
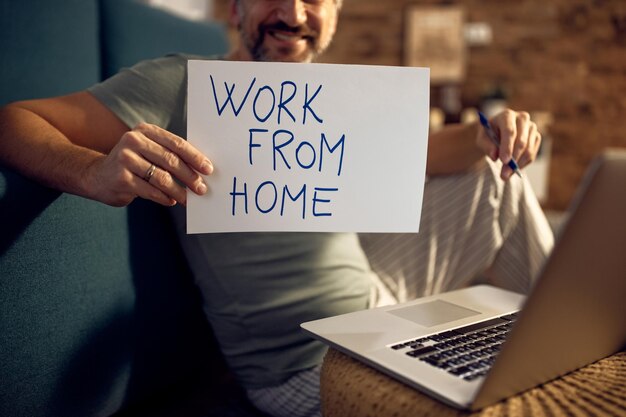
x,y
260,53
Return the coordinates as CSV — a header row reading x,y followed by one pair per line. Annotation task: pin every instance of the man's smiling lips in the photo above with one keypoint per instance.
x,y
284,36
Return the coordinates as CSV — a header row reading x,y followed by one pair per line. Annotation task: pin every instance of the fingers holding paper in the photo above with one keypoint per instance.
x,y
151,163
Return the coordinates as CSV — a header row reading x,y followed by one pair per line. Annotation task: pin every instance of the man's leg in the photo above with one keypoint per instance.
x,y
299,396
474,226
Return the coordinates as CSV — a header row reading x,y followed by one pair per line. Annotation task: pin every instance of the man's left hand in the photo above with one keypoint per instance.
x,y
519,139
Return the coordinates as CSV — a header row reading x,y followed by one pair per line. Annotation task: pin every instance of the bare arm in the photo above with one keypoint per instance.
x,y
453,149
458,148
35,139
75,144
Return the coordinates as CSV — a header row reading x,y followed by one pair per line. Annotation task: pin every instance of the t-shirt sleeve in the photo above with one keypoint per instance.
x,y
153,91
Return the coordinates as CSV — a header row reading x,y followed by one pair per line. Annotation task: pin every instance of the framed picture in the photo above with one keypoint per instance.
x,y
434,39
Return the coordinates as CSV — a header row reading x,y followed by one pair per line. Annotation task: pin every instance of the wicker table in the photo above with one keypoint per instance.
x,y
350,388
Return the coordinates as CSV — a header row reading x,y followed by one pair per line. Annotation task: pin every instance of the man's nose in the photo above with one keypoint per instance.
x,y
292,12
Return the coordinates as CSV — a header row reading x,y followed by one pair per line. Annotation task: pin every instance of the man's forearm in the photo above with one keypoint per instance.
x,y
453,149
36,149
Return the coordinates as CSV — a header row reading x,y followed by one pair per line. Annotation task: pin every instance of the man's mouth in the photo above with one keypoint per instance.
x,y
284,42
286,36
286,33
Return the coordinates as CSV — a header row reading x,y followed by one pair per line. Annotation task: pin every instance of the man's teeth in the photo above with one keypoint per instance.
x,y
286,36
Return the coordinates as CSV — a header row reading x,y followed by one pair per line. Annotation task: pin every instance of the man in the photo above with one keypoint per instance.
x,y
124,138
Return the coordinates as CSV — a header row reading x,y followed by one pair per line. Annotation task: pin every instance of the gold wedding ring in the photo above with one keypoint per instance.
x,y
149,173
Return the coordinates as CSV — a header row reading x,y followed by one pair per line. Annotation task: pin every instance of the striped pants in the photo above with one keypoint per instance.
x,y
475,228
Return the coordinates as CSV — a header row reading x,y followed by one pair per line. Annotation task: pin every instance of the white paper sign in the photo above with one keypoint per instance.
x,y
308,147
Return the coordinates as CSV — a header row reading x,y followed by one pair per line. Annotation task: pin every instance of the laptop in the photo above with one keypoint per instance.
x,y
476,346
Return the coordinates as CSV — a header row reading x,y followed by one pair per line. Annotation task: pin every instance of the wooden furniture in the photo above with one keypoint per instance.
x,y
350,388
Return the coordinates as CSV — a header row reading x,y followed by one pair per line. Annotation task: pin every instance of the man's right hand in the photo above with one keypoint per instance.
x,y
127,171
77,145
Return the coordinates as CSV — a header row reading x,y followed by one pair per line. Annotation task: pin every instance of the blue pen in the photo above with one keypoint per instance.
x,y
494,138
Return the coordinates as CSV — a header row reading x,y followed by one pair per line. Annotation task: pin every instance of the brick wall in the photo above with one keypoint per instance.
x,y
564,57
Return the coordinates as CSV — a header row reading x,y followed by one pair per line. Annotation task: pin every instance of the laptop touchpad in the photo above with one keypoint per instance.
x,y
433,313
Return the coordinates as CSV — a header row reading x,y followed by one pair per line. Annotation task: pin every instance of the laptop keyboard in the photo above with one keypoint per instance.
x,y
467,352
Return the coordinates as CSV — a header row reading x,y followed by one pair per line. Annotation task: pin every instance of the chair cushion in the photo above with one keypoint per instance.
x,y
47,48
131,32
97,306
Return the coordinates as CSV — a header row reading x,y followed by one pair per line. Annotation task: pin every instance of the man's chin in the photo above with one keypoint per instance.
x,y
285,55
302,59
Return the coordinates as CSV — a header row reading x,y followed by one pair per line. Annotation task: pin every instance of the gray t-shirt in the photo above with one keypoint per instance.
x,y
257,287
